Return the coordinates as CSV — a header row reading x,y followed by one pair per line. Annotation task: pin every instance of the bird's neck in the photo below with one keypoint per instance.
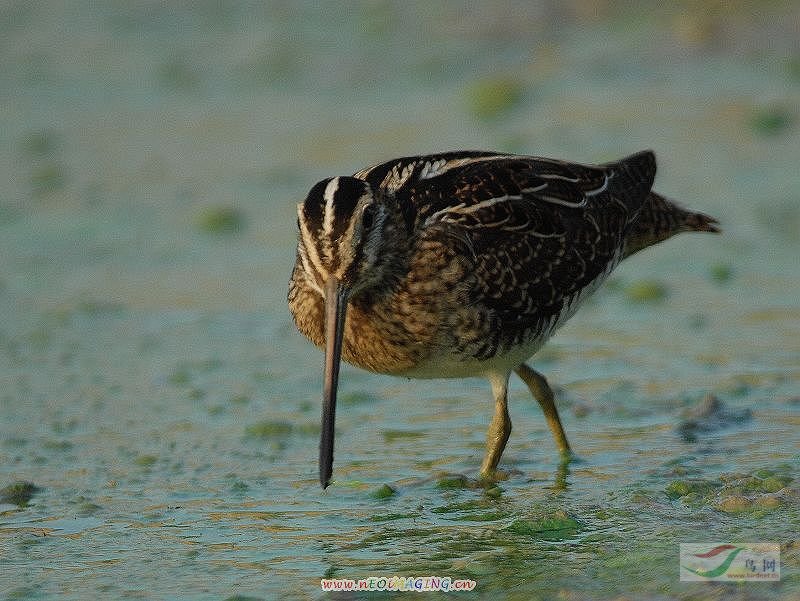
x,y
391,263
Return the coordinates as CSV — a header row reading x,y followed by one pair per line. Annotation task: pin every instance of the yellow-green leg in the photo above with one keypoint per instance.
x,y
542,392
499,429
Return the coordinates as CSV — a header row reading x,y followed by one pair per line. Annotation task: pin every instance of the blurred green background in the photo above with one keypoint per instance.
x,y
152,386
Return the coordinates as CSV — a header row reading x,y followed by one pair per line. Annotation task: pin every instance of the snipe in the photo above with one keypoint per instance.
x,y
463,264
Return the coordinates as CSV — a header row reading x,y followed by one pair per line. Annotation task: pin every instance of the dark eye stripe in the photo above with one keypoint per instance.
x,y
349,191
345,199
314,205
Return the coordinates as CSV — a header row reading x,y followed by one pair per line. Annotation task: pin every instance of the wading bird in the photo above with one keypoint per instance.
x,y
463,264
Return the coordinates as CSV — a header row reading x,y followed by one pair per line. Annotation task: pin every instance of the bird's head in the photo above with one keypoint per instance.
x,y
344,228
348,243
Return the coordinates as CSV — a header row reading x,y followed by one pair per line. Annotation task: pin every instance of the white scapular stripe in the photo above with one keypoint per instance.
x,y
486,203
602,188
534,189
432,169
441,166
574,180
396,179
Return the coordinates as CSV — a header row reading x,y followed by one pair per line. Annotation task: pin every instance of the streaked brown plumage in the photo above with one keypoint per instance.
x,y
464,264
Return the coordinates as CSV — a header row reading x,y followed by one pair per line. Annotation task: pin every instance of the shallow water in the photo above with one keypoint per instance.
x,y
155,391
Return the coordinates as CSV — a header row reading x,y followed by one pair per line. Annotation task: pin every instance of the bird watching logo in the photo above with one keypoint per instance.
x,y
729,561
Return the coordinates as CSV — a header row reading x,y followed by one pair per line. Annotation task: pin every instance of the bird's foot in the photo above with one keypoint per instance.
x,y
568,456
490,478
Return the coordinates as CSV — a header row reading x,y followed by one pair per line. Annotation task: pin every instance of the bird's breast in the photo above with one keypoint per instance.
x,y
387,335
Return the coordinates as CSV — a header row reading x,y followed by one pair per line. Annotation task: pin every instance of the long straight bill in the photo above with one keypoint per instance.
x,y
335,308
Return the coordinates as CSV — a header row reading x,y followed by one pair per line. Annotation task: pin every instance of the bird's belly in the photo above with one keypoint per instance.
x,y
449,365
424,340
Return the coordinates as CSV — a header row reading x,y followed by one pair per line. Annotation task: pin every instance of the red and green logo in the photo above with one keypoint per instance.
x,y
727,561
728,553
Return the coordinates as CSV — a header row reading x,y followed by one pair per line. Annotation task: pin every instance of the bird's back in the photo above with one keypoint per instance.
x,y
529,238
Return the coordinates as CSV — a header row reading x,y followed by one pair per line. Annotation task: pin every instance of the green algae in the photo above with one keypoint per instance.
x,y
383,492
394,435
454,482
18,493
774,484
556,525
754,484
490,97
221,220
646,291
240,399
268,429
87,508
772,120
186,371
752,494
180,376
100,308
306,428
356,397
64,426
494,492
60,446
734,504
682,488
23,592
721,273
146,460
48,178
240,487
330,572
40,143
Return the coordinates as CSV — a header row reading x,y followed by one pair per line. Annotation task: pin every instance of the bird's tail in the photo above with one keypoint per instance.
x,y
661,218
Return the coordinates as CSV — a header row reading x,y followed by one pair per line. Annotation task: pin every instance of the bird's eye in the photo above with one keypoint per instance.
x,y
368,216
